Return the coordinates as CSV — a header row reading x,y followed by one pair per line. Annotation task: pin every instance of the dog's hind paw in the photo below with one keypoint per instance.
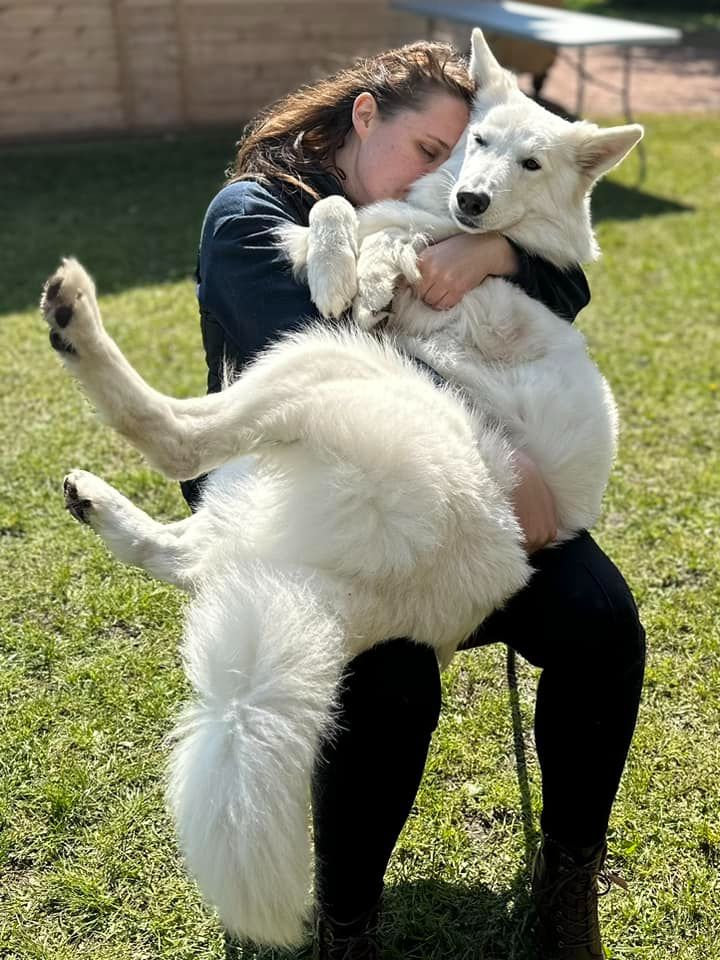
x,y
70,308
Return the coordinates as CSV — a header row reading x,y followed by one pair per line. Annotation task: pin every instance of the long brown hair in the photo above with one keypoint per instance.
x,y
301,132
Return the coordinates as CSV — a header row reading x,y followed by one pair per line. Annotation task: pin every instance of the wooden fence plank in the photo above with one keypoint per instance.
x,y
138,63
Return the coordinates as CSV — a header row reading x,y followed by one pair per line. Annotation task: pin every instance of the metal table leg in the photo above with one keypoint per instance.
x,y
580,83
627,66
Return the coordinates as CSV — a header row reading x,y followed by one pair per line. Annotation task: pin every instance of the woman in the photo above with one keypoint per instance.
x,y
368,133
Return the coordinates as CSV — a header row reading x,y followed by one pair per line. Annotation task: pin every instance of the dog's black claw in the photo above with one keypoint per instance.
x,y
53,290
76,506
63,315
78,509
62,346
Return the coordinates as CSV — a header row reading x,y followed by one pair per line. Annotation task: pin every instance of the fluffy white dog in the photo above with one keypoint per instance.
x,y
351,499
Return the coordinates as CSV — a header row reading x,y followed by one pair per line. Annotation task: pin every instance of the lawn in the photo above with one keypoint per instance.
x,y
90,678
694,17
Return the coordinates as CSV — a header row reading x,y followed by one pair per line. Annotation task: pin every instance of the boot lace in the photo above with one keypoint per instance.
x,y
337,946
575,895
364,947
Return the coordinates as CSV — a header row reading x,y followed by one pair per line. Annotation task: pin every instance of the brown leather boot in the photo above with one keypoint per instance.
x,y
356,940
565,890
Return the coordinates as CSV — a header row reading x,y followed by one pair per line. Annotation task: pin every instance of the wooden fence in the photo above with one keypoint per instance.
x,y
80,67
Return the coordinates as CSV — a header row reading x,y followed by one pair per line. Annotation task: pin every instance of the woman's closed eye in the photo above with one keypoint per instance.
x,y
429,153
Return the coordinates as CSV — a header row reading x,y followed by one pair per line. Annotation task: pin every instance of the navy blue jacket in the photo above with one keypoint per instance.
x,y
246,291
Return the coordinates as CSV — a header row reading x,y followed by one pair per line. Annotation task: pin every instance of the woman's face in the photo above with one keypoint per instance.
x,y
390,154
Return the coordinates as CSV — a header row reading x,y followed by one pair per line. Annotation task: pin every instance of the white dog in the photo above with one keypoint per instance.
x,y
351,499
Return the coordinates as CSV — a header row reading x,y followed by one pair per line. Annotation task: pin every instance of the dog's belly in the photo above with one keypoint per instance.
x,y
415,540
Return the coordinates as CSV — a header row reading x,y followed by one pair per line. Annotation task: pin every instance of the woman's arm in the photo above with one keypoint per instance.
x,y
452,268
565,292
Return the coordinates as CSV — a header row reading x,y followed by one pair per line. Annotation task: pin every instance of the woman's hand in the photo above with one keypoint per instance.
x,y
533,504
454,267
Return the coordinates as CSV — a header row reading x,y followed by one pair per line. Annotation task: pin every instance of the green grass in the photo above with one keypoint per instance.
x,y
696,16
90,677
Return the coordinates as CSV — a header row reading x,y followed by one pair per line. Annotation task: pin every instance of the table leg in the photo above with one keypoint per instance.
x,y
580,83
627,67
627,109
538,82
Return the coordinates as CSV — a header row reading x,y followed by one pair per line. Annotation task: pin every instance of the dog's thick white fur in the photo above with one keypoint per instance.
x,y
351,499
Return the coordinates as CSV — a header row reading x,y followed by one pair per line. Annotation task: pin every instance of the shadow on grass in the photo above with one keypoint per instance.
x,y
433,920
131,210
530,833
614,201
430,919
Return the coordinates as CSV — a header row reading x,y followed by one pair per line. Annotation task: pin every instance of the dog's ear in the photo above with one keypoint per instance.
x,y
484,68
600,150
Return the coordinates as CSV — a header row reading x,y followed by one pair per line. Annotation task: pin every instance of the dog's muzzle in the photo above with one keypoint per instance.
x,y
469,207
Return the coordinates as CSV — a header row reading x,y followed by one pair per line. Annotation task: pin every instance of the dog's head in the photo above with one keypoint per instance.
x,y
526,172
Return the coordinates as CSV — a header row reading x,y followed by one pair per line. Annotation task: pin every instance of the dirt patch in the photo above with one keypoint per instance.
x,y
683,79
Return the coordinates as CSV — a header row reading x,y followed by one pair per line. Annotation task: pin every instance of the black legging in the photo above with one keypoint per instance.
x,y
578,621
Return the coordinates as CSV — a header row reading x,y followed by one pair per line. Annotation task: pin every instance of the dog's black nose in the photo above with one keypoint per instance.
x,y
473,204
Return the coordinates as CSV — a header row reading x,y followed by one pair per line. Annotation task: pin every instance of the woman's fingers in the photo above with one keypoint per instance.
x,y
438,296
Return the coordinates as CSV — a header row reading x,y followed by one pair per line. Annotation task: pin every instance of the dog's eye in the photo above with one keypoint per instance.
x,y
479,141
531,164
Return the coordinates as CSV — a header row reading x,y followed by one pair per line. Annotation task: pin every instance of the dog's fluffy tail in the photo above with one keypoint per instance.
x,y
265,658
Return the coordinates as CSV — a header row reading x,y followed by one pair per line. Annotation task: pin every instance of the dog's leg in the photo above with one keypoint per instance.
x,y
324,254
188,437
160,426
182,438
164,551
391,234
385,258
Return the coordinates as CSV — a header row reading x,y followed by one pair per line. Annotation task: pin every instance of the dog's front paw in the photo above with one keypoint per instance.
x,y
385,259
332,255
367,318
376,288
69,306
333,283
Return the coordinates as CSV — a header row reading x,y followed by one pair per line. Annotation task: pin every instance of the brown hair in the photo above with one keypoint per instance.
x,y
302,131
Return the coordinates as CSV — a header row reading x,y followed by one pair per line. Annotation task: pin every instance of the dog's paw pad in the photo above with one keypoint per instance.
x,y
62,346
63,315
51,294
69,307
